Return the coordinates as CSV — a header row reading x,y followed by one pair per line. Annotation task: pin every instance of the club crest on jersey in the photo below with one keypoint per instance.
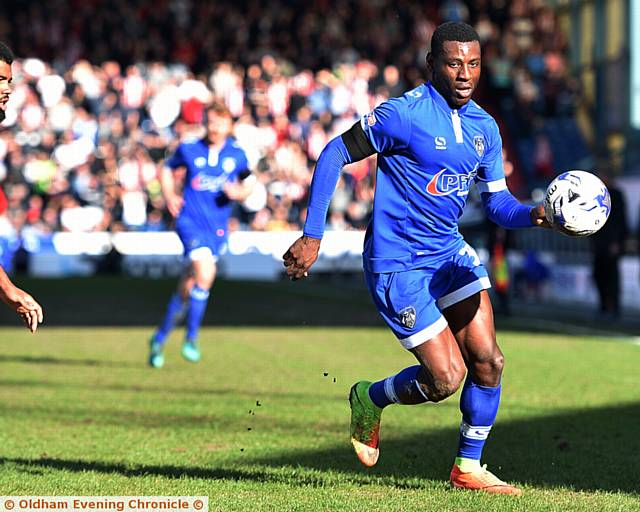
x,y
228,164
447,182
408,317
478,143
371,119
200,161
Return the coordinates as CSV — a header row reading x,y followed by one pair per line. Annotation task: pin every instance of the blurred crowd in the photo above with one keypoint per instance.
x,y
104,90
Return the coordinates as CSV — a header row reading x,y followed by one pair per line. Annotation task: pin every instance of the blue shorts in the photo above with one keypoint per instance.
x,y
411,302
199,243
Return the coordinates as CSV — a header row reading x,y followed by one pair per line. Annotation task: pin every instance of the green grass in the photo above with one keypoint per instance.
x,y
83,415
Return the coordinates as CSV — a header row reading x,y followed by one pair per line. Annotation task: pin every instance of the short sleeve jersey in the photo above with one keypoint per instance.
x,y
428,156
205,204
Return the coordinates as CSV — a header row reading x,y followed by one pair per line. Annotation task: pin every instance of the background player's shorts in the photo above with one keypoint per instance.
x,y
411,301
199,243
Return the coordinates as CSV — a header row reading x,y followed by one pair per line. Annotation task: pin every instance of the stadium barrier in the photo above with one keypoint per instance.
x,y
258,256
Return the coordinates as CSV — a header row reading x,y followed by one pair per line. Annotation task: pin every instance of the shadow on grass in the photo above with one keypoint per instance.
x,y
61,361
585,450
168,390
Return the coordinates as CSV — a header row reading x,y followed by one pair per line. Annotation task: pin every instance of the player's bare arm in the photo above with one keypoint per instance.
x,y
21,302
168,184
351,146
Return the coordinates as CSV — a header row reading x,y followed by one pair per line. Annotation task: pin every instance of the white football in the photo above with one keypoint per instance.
x,y
577,203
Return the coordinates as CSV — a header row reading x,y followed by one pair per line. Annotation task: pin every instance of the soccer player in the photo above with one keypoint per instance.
x,y
426,282
18,300
216,174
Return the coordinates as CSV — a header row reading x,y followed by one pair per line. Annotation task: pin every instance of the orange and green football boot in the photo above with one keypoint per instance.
x,y
481,480
365,423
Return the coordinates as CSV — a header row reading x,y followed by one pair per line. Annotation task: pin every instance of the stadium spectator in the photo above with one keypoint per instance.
x,y
608,247
291,80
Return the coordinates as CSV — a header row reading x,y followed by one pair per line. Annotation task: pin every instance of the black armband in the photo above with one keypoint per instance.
x,y
357,143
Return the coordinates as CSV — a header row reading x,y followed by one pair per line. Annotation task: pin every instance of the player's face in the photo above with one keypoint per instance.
x,y
6,77
218,127
456,71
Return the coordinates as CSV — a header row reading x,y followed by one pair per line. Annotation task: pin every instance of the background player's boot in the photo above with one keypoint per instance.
x,y
365,423
191,351
156,356
481,480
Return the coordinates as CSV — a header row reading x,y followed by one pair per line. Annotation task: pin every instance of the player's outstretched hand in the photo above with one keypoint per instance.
x,y
235,191
25,305
539,218
301,255
174,204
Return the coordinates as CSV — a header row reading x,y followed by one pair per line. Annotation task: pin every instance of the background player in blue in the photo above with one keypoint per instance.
x,y
216,174
427,284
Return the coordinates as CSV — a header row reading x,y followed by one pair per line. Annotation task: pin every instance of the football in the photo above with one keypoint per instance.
x,y
577,203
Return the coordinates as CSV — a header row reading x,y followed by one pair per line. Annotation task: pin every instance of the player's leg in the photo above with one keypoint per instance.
x,y
176,309
471,321
204,272
404,302
437,377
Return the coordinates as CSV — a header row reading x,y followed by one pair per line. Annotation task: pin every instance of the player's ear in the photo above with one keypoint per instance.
x,y
429,61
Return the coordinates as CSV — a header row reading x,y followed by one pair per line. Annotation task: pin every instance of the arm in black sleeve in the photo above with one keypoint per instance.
x,y
357,143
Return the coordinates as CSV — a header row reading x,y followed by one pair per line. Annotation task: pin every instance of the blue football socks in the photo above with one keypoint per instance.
x,y
479,407
402,388
175,310
198,300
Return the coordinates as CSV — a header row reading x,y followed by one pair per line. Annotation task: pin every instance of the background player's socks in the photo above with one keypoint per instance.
x,y
468,465
198,299
175,309
402,388
479,407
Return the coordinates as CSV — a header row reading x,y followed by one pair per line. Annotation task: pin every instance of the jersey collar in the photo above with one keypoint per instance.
x,y
205,144
442,103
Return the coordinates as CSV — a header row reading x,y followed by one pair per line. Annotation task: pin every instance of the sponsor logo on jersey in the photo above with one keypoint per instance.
x,y
203,182
408,317
478,143
441,143
447,182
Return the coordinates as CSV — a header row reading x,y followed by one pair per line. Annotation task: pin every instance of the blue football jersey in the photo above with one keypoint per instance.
x,y
205,204
428,156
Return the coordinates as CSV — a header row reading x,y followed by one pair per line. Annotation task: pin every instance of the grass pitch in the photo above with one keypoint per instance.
x,y
262,422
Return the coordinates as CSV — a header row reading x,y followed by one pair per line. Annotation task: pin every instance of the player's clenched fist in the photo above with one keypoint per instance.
x,y
538,217
300,256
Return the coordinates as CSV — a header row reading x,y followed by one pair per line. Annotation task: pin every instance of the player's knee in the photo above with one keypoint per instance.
x,y
495,364
488,369
445,385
